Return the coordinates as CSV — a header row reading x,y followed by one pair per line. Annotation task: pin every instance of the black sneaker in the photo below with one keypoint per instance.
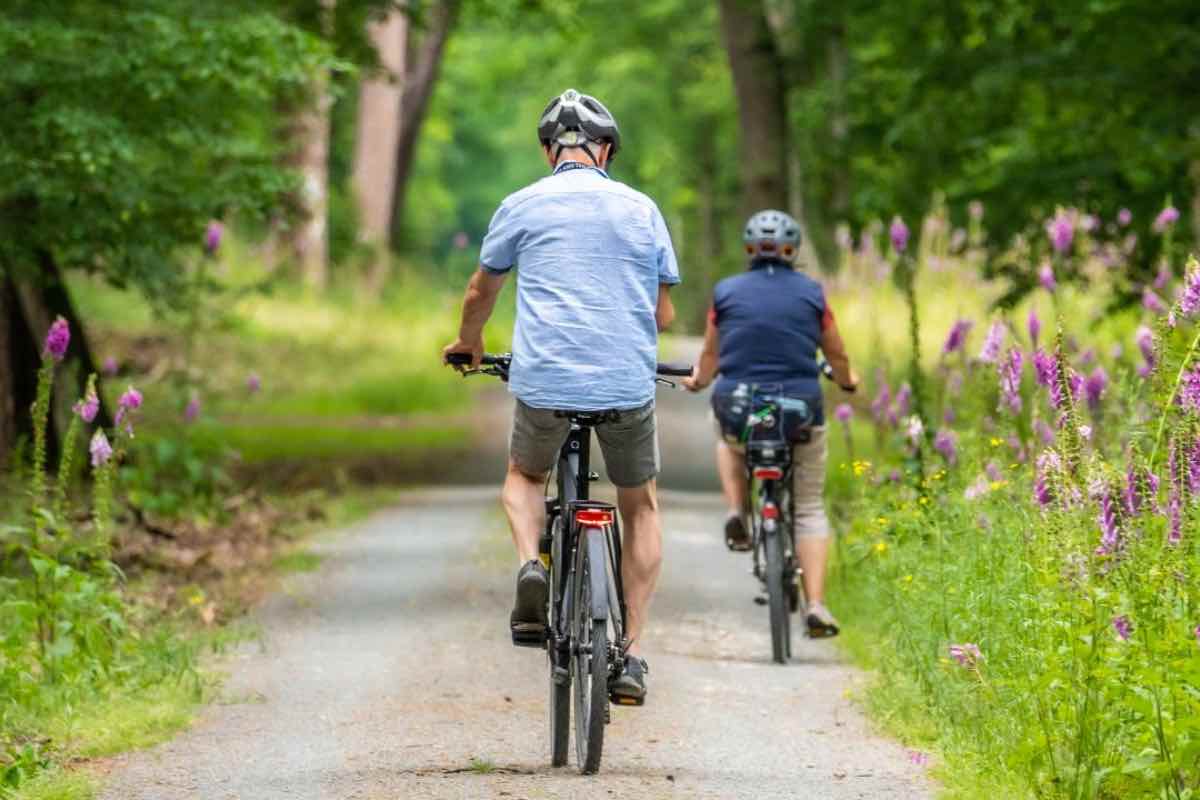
x,y
736,537
821,624
630,688
529,612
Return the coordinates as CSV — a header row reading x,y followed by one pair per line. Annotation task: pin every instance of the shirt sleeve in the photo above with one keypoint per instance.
x,y
498,253
668,267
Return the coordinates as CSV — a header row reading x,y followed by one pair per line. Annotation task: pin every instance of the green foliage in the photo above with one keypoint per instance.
x,y
130,124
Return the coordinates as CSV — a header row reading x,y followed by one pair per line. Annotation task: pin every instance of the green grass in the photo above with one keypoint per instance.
x,y
296,562
58,784
259,443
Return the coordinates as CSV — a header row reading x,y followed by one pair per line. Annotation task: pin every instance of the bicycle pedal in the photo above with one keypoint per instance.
x,y
624,700
760,600
529,637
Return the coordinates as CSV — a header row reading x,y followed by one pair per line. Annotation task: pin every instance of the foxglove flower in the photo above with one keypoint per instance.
x,y
843,413
957,336
992,469
946,443
57,339
1161,279
966,654
1109,535
1035,327
192,410
1124,217
1133,490
87,407
1044,432
899,234
879,405
1094,387
1045,367
1193,468
1062,233
1189,301
101,451
992,343
1046,278
949,415
977,489
1010,380
1152,302
212,237
253,383
110,366
1189,390
129,402
903,400
1122,626
1165,219
915,430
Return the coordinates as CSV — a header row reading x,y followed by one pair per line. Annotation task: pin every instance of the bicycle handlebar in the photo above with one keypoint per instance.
x,y
504,360
827,370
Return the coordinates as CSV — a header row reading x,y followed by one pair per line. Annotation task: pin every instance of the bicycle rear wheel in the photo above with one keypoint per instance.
x,y
777,598
589,664
558,656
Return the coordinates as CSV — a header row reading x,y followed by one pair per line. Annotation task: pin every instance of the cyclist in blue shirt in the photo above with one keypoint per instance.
x,y
765,327
594,268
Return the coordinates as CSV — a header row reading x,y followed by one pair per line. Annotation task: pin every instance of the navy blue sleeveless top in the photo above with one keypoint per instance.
x,y
770,319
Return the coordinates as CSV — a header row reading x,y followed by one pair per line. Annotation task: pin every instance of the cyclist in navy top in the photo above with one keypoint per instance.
x,y
765,327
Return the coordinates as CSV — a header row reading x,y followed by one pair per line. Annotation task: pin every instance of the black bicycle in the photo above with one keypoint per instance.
x,y
773,424
581,548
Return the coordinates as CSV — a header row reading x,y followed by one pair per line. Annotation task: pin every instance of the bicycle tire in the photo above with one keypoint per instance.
x,y
559,712
589,662
779,606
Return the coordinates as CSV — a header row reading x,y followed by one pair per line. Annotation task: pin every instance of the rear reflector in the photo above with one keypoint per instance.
x,y
593,516
770,511
768,473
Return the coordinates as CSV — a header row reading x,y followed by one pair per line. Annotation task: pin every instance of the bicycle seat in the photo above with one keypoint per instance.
x,y
589,418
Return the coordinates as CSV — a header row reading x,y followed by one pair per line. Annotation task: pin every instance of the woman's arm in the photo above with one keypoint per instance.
x,y
835,353
706,367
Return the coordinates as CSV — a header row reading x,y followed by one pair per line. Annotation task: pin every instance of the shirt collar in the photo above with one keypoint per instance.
x,y
568,166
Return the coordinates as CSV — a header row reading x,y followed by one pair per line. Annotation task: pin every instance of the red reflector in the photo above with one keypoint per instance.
x,y
768,473
593,516
770,512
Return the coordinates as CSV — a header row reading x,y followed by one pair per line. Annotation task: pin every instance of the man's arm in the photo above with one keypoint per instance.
x,y
664,314
835,353
478,303
706,367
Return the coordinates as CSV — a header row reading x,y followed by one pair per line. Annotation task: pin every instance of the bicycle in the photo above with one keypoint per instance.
x,y
585,639
769,505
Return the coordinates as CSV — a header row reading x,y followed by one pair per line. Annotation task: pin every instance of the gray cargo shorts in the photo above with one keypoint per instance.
x,y
629,445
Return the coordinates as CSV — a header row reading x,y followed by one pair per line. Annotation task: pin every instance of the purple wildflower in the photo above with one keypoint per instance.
x,y
1165,219
946,443
1189,301
1089,222
949,415
1046,463
1044,432
843,413
1035,327
1010,379
1193,468
253,383
915,430
1062,233
957,336
1133,491
992,343
879,405
1094,387
899,234
130,401
1174,495
1046,278
1152,302
1189,390
966,654
1045,367
1145,342
1122,626
87,407
100,449
57,339
212,237
921,759
1109,536
192,410
110,366
1161,278
1124,217
903,399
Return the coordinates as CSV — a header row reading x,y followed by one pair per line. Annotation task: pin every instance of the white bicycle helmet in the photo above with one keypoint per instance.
x,y
772,234
577,120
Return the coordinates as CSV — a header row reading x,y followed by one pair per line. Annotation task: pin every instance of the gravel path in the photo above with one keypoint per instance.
x,y
388,674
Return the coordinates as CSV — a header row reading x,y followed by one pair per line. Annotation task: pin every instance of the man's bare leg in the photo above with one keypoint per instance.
x,y
641,554
525,505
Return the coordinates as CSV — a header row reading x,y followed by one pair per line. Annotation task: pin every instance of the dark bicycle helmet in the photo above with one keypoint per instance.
x,y
772,234
573,120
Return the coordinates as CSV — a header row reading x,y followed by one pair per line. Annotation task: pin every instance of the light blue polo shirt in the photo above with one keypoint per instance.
x,y
590,254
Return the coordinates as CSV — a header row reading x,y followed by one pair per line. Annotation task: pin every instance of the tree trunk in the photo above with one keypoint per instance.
x,y
8,415
305,238
418,88
377,133
839,120
759,84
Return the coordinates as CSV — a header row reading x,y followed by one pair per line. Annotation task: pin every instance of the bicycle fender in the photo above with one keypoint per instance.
x,y
598,571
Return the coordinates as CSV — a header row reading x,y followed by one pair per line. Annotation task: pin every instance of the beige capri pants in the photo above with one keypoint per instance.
x,y
808,481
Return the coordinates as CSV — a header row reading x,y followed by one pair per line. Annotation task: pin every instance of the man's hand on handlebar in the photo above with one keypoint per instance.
x,y
473,349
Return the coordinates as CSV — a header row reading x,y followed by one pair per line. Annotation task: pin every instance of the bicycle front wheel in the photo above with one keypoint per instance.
x,y
777,597
589,665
